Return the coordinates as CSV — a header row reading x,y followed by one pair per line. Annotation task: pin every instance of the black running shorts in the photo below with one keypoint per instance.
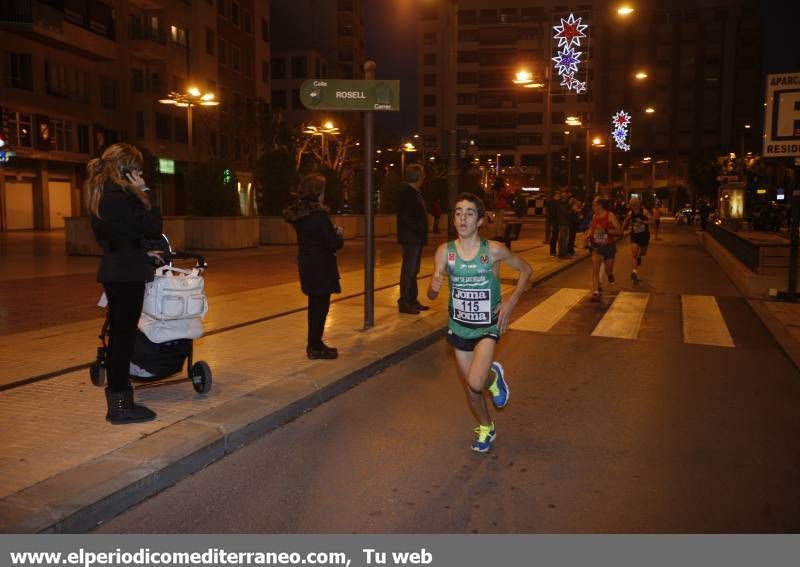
x,y
468,345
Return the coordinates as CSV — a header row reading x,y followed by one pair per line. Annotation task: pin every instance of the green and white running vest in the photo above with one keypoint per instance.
x,y
474,293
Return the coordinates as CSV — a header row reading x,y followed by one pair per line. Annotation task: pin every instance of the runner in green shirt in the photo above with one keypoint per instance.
x,y
477,315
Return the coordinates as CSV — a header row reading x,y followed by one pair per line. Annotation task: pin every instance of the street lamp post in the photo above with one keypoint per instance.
x,y
192,97
449,111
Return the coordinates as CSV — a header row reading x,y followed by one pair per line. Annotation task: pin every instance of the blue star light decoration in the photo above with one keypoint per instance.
x,y
569,35
621,121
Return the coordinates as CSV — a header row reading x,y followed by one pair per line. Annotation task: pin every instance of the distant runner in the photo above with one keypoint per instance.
x,y
477,316
639,220
602,232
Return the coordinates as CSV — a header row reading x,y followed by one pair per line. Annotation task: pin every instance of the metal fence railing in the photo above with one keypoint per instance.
x,y
747,252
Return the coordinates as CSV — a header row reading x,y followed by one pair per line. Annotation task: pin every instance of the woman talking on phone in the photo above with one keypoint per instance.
x,y
122,218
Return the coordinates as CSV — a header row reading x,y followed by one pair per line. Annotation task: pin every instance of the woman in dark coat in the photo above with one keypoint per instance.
x,y
319,276
122,218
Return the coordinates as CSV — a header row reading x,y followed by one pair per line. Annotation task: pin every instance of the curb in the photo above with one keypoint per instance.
x,y
79,499
778,331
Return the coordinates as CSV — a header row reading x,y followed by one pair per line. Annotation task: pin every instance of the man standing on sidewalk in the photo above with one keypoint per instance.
x,y
412,233
552,221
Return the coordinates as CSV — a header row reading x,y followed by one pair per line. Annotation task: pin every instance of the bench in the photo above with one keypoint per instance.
x,y
510,234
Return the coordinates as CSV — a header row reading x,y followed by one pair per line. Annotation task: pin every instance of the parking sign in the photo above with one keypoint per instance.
x,y
782,116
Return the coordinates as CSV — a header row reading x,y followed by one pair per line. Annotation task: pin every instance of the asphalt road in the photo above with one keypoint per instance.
x,y
652,434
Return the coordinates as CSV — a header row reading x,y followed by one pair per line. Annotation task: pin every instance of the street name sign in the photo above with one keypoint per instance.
x,y
782,116
343,94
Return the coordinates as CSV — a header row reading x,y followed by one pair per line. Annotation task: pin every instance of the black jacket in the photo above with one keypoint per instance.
x,y
412,219
319,274
123,226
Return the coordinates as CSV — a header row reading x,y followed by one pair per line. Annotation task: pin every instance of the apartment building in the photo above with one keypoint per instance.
x,y
78,76
315,39
703,84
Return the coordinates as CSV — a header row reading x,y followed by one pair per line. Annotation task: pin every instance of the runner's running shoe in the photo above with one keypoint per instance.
x,y
499,387
486,436
634,276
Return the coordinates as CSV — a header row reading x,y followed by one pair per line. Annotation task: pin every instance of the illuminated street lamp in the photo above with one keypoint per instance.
x,y
326,129
192,97
625,10
407,147
649,110
641,75
523,77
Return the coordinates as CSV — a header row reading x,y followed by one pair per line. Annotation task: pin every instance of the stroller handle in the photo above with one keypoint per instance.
x,y
170,256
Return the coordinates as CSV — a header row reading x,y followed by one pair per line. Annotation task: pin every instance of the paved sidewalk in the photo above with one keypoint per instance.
x,y
783,321
63,468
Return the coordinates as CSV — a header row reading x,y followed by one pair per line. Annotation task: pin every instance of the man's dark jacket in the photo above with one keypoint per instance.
x,y
319,273
412,219
123,226
552,211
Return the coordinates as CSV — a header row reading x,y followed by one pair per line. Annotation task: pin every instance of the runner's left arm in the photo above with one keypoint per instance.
x,y
501,253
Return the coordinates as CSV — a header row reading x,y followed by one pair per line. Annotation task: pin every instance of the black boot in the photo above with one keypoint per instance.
x,y
322,352
121,408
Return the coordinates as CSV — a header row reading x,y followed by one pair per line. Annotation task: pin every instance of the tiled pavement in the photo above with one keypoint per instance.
x,y
63,468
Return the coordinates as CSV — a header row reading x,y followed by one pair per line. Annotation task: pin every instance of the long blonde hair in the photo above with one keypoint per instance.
x,y
110,166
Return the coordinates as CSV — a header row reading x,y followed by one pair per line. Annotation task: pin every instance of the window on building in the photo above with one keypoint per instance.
x,y
235,13
467,56
278,68
429,121
296,103
210,41
155,83
557,139
236,63
163,126
429,100
222,52
557,118
264,71
264,30
467,35
466,119
137,80
83,138
139,124
177,35
429,38
299,67
467,17
530,117
109,93
221,8
467,98
532,139
20,129
428,80
247,21
181,130
429,59
279,98
248,64
61,131
19,73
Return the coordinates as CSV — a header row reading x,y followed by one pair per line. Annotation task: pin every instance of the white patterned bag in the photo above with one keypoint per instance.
x,y
175,293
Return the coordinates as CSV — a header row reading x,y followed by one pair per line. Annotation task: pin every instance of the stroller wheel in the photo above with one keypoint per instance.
x,y
201,377
97,373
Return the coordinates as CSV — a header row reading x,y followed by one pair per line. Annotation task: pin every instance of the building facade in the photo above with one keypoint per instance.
x,y
703,85
78,76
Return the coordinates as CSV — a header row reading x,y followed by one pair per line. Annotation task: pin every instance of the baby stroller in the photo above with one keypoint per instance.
x,y
174,305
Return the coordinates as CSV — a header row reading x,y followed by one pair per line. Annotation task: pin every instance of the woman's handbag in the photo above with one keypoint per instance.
x,y
175,293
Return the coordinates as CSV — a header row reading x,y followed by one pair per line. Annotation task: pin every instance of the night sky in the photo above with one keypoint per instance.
x,y
391,40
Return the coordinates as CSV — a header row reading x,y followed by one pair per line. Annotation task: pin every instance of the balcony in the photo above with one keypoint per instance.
x,y
86,29
147,43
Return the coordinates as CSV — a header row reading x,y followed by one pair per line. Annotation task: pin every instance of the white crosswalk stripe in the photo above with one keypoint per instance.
x,y
702,319
624,317
703,323
544,316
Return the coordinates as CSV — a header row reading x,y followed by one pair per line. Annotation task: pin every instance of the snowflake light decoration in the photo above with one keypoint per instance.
x,y
621,121
569,34
570,31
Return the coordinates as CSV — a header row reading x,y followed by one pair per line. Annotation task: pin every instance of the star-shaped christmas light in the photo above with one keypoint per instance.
x,y
570,31
579,86
567,79
621,121
567,61
621,118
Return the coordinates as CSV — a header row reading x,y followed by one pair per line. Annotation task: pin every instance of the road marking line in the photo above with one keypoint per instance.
x,y
624,317
544,316
703,323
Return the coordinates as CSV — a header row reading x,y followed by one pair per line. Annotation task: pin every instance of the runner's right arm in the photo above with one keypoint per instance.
x,y
438,272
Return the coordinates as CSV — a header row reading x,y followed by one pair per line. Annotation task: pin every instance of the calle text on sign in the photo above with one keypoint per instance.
x,y
344,94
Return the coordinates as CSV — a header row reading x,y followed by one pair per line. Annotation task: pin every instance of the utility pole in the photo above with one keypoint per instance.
x,y
449,113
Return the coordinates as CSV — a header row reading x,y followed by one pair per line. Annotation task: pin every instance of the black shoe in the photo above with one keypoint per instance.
x,y
421,307
638,260
611,278
322,353
121,408
408,309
